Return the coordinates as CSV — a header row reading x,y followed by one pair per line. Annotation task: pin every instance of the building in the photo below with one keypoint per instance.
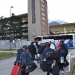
x,y
63,29
15,27
37,18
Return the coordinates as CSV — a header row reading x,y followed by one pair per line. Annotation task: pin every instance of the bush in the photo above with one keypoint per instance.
x,y
73,72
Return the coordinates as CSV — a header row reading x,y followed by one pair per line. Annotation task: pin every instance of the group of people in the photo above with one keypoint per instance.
x,y
29,53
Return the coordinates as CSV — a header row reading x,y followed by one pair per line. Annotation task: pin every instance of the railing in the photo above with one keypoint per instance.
x,y
69,59
18,43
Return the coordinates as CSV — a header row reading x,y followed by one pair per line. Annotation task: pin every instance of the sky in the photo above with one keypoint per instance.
x,y
57,9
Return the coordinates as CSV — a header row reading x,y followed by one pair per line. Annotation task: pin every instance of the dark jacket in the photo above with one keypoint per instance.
x,y
26,58
19,51
44,53
41,49
64,47
32,49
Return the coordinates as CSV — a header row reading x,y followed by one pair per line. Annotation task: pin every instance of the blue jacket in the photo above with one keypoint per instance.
x,y
19,51
44,53
26,58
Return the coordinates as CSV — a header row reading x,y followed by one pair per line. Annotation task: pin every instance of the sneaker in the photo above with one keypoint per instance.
x,y
62,71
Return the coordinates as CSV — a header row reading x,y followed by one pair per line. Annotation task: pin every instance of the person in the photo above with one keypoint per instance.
x,y
64,47
52,45
25,58
40,48
32,50
48,62
61,58
19,51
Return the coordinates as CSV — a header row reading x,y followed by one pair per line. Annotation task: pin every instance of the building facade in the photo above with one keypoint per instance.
x,y
37,18
15,27
63,29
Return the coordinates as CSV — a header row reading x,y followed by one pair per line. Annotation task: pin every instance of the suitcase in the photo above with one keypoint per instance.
x,y
55,69
44,66
15,69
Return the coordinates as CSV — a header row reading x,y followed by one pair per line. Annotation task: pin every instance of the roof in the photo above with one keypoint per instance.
x,y
63,24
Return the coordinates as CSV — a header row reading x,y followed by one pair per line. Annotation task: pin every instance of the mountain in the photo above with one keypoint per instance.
x,y
56,22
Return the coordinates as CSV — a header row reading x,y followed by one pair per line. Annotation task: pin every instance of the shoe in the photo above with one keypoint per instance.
x,y
62,71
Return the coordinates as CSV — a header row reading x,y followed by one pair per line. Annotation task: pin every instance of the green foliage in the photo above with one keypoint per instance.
x,y
6,54
7,49
73,72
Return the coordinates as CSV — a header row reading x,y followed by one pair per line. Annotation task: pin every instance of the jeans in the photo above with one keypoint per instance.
x,y
33,56
41,59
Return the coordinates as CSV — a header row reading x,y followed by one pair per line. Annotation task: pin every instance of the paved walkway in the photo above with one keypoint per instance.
x,y
38,71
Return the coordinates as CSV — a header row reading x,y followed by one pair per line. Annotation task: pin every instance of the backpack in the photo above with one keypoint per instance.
x,y
52,54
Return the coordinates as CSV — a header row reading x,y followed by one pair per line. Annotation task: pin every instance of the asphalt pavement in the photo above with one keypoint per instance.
x,y
7,64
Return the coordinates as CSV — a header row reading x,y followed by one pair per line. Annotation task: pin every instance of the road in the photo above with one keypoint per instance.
x,y
7,64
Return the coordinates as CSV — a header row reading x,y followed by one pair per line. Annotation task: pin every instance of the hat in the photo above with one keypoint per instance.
x,y
58,46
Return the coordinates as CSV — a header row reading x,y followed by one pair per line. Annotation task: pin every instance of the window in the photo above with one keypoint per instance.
x,y
42,9
44,28
44,32
43,18
43,14
42,5
43,23
42,1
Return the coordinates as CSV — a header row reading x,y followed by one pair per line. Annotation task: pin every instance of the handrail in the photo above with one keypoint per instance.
x,y
69,55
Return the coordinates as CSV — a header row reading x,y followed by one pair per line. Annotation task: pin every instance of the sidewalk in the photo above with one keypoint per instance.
x,y
38,71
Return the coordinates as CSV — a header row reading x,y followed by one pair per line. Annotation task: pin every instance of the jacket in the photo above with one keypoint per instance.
x,y
44,53
41,49
26,58
19,51
32,49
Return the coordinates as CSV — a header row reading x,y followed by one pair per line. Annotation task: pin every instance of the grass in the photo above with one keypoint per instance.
x,y
7,49
73,72
6,54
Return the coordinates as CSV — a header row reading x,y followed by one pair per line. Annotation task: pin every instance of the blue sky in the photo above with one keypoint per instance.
x,y
57,9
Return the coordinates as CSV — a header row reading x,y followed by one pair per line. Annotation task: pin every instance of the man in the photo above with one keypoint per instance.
x,y
32,50
65,49
25,59
48,62
19,51
52,46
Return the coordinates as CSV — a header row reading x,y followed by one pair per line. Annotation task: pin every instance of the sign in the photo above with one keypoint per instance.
x,y
33,11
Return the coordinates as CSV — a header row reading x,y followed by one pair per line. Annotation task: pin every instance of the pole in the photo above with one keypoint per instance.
x,y
10,28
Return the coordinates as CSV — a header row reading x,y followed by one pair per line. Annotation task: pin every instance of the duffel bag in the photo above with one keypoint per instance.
x,y
52,54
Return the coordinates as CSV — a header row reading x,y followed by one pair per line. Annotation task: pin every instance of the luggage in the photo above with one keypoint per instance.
x,y
15,69
66,63
52,54
44,66
55,69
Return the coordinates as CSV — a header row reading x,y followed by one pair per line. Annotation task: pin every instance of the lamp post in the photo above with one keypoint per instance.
x,y
10,27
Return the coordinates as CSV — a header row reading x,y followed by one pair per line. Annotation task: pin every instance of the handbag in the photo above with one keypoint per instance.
x,y
30,67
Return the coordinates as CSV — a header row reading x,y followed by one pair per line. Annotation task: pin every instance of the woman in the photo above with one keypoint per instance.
x,y
25,59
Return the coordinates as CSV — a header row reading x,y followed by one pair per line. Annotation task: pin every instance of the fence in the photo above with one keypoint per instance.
x,y
19,43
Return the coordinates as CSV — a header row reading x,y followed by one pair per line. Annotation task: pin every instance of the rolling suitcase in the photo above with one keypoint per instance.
x,y
15,69
55,69
44,66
